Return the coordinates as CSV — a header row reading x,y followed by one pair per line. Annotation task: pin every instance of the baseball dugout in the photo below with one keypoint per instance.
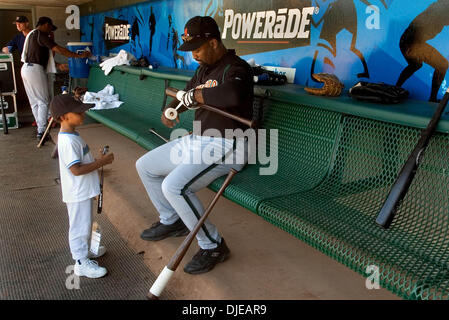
x,y
337,160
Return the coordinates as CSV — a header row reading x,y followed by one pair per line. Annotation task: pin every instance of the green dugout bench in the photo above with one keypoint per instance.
x,y
337,161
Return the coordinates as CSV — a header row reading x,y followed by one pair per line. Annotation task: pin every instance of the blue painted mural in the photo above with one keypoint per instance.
x,y
387,41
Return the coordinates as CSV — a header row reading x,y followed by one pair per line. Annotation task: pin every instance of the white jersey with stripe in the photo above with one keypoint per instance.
x,y
72,150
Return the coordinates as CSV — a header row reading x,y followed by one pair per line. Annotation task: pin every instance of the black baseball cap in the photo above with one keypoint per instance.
x,y
20,19
65,103
197,31
44,20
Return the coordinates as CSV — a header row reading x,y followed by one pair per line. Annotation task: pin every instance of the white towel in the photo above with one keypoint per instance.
x,y
123,58
104,99
51,65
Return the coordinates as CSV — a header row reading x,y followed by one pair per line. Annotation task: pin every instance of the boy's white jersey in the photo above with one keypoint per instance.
x,y
72,149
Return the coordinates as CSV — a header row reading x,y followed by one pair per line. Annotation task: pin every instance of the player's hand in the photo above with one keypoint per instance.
x,y
5,50
169,123
106,159
187,98
85,54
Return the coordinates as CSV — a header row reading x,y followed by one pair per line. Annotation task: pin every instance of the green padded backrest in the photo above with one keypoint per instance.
x,y
369,158
97,80
138,94
143,93
143,99
306,140
306,143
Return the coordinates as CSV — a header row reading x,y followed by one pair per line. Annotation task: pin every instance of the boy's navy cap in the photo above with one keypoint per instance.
x,y
197,31
44,20
20,19
65,103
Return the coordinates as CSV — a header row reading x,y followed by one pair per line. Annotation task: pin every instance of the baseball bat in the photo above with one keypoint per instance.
x,y
158,135
167,272
408,171
161,137
4,120
41,142
100,196
46,132
171,92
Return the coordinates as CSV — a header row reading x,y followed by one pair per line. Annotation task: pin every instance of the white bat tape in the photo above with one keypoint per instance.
x,y
161,282
180,94
171,113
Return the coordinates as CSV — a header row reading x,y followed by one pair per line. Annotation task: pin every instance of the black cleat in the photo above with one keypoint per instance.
x,y
40,135
205,260
159,231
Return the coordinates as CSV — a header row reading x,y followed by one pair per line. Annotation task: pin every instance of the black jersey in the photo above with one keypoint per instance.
x,y
38,45
227,84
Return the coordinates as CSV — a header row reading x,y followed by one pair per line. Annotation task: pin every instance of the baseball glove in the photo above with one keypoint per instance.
x,y
79,92
332,85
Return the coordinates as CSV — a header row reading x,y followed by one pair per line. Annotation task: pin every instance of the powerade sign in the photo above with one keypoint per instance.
x,y
267,30
388,41
116,32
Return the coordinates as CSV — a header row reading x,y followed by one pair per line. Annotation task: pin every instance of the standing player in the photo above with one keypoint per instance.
x,y
37,56
23,26
222,80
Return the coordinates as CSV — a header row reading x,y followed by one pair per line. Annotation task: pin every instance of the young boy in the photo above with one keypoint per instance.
x,y
79,181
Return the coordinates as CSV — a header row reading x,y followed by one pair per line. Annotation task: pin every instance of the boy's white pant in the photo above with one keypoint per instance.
x,y
80,230
35,81
171,185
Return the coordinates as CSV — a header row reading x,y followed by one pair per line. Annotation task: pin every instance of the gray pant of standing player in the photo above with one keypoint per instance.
x,y
36,86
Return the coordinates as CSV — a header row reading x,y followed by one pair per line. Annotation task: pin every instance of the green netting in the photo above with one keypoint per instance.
x,y
306,140
338,216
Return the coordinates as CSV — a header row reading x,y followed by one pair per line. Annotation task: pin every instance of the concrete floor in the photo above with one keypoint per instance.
x,y
265,262
34,249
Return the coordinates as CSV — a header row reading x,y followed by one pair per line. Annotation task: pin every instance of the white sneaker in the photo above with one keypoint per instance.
x,y
101,252
90,269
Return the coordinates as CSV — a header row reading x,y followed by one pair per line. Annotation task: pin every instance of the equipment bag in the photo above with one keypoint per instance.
x,y
378,92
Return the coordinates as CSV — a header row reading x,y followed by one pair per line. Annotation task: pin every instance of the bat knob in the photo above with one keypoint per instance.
x,y
171,114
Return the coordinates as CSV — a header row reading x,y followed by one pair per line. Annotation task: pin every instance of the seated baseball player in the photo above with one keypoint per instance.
x,y
175,171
